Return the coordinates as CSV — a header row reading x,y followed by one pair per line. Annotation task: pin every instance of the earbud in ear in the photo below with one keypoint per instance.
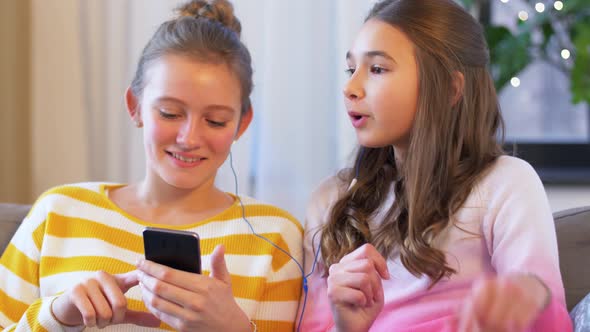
x,y
137,120
352,183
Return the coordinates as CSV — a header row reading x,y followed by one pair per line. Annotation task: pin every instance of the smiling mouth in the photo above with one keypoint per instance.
x,y
185,159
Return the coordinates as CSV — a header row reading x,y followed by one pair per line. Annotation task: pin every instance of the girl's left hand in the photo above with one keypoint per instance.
x,y
192,302
502,304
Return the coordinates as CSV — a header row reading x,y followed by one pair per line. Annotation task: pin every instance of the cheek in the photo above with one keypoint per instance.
x,y
400,106
222,141
156,133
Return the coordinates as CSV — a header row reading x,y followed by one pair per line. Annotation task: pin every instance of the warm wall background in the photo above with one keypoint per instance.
x,y
15,96
40,98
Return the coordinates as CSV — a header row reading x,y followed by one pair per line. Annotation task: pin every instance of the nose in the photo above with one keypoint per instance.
x,y
189,135
353,88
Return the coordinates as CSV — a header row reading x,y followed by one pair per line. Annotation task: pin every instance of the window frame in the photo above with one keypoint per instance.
x,y
556,163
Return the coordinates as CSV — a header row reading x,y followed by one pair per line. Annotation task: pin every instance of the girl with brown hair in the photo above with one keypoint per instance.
x,y
433,228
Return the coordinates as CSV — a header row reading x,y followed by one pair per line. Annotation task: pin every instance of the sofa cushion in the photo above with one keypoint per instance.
x,y
581,315
573,239
10,218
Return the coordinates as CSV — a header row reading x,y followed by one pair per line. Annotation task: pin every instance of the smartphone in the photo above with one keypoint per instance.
x,y
179,250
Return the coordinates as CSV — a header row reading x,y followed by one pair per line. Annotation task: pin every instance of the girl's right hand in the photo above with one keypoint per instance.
x,y
100,301
355,289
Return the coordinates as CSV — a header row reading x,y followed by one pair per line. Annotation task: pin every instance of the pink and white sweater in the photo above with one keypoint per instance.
x,y
509,211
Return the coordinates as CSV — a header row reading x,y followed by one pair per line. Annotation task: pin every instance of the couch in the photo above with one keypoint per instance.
x,y
573,238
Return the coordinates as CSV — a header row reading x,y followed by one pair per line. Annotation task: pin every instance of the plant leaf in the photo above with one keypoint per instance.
x,y
509,53
580,77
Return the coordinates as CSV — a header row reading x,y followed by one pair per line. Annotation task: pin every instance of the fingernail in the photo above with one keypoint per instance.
x,y
138,262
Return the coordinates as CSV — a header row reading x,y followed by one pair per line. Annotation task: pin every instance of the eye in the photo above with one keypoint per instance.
x,y
375,69
168,115
216,124
349,71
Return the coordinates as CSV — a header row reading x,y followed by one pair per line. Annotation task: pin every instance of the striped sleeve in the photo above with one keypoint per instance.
x,y
19,268
279,305
280,298
38,318
21,307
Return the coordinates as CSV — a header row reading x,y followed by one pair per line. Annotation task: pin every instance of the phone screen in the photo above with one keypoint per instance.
x,y
179,250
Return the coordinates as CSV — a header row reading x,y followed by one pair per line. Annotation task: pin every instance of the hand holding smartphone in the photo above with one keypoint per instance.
x,y
179,250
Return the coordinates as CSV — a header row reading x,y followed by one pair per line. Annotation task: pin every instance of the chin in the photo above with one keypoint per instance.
x,y
372,142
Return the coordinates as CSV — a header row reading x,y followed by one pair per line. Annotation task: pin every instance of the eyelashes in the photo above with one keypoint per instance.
x,y
167,115
173,116
216,124
373,69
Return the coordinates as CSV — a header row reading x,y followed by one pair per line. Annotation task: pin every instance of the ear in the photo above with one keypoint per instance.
x,y
245,120
132,104
458,86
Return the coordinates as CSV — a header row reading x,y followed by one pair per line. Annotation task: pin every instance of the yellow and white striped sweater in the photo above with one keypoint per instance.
x,y
75,230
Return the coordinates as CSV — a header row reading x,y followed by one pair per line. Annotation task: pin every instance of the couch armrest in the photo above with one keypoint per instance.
x,y
11,215
573,240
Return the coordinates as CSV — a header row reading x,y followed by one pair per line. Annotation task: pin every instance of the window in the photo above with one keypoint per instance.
x,y
543,126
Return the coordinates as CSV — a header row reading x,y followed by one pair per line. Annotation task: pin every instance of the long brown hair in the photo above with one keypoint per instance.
x,y
206,31
450,146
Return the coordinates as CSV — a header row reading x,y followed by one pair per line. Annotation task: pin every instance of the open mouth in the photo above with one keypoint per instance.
x,y
358,120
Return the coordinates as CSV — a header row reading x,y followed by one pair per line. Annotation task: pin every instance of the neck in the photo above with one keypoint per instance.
x,y
400,156
155,193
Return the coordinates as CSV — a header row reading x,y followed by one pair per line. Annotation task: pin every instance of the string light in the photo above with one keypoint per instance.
x,y
558,5
523,16
515,82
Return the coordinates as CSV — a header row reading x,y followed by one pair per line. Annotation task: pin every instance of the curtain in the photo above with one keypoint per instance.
x,y
301,131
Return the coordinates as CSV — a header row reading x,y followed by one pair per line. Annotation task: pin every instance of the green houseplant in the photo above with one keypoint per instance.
x,y
559,34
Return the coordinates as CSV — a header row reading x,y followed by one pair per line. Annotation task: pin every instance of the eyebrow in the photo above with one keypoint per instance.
x,y
169,100
221,108
372,54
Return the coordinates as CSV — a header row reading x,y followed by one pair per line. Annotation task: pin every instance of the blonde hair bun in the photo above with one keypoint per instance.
x,y
221,11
